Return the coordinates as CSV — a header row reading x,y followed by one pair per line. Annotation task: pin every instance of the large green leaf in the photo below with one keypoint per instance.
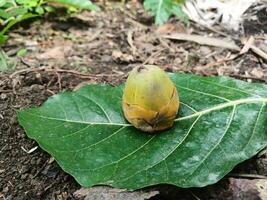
x,y
221,122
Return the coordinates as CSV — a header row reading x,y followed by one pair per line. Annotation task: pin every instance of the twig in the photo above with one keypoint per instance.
x,y
130,18
248,77
25,63
195,196
210,41
130,41
59,81
254,176
249,44
50,91
211,28
29,151
41,169
3,148
218,62
259,52
264,151
83,75
93,37
157,53
6,91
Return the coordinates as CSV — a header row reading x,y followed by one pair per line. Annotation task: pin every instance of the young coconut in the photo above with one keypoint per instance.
x,y
150,100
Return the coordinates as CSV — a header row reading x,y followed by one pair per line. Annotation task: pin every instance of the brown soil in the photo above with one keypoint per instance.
x,y
65,53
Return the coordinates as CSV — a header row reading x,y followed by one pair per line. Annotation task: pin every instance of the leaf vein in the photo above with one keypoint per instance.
x,y
256,124
204,93
121,159
92,100
175,148
78,107
218,143
190,107
227,87
104,139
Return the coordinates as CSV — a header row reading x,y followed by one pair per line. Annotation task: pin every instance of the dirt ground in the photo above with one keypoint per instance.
x,y
67,52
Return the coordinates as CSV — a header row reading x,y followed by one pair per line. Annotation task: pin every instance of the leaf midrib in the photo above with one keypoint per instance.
x,y
203,112
224,105
228,125
159,9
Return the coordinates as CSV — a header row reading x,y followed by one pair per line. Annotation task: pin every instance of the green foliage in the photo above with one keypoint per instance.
x,y
22,52
221,122
15,11
163,9
81,4
6,63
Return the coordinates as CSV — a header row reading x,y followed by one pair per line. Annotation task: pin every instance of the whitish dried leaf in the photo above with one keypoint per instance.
x,y
107,193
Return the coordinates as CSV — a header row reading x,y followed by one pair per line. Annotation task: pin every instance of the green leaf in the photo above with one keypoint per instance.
x,y
22,52
7,3
14,12
39,10
3,38
17,20
82,4
221,122
177,11
163,9
2,3
49,8
28,3
6,63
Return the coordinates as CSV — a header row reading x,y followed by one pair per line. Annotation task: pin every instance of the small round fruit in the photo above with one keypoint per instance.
x,y
150,100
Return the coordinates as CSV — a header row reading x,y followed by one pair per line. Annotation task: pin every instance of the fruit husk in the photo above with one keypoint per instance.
x,y
150,99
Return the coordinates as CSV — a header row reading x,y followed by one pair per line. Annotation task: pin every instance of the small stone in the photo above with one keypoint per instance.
x,y
33,161
20,187
3,96
5,190
39,160
24,176
205,50
24,169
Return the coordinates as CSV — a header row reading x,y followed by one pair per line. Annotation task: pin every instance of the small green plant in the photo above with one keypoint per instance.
x,y
15,11
6,63
163,9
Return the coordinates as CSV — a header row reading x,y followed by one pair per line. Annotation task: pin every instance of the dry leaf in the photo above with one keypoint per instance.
x,y
118,56
54,53
108,193
210,41
170,28
227,13
247,189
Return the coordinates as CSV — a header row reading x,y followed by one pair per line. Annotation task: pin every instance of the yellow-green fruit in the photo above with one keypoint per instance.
x,y
150,101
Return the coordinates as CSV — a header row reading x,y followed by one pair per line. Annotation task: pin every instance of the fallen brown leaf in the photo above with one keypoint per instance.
x,y
108,193
170,28
54,53
247,189
210,41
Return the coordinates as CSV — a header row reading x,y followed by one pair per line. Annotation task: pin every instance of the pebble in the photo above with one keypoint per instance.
x,y
33,161
24,176
3,96
24,169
